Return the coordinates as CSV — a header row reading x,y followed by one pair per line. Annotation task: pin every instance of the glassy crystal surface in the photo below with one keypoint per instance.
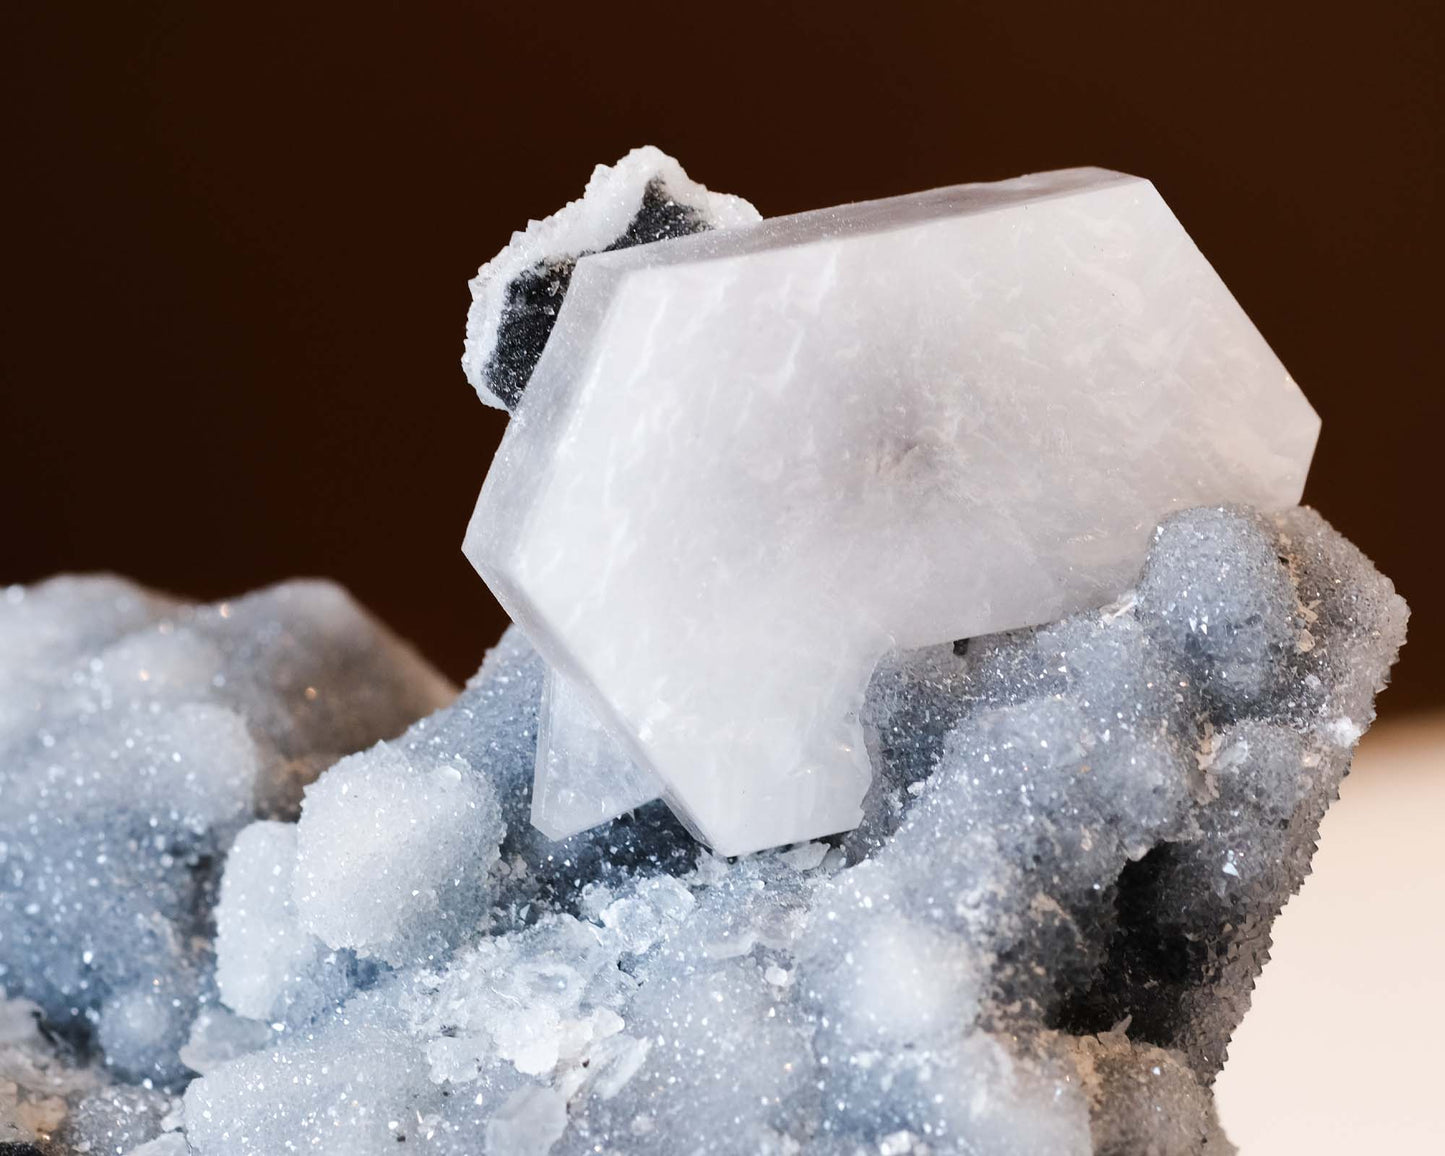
x,y
751,461
1037,944
584,775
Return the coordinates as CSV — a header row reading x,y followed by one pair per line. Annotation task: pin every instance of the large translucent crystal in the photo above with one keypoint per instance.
x,y
751,461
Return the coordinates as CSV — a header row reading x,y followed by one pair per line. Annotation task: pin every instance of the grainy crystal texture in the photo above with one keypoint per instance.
x,y
1037,943
138,735
516,295
407,843
751,461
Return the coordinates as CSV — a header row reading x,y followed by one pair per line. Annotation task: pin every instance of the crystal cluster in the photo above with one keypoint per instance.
x,y
1037,941
777,450
137,736
824,537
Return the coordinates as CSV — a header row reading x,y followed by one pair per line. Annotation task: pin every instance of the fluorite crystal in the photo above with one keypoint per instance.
x,y
750,462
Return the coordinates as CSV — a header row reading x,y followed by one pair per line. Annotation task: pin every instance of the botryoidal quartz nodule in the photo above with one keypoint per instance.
x,y
268,884
1038,940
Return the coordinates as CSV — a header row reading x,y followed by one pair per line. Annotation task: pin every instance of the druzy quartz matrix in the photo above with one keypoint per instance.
x,y
269,885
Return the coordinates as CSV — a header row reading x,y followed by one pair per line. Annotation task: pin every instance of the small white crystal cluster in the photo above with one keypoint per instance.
x,y
644,197
1036,944
138,734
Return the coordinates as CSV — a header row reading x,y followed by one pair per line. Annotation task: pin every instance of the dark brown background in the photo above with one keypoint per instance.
x,y
237,244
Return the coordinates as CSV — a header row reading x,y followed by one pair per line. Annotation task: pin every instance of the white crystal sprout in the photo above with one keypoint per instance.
x,y
594,222
584,775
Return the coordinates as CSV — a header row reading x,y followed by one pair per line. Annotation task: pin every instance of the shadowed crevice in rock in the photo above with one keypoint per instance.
x,y
1151,962
527,319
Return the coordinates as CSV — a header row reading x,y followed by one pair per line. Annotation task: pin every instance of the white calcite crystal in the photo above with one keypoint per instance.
x,y
406,844
750,462
271,967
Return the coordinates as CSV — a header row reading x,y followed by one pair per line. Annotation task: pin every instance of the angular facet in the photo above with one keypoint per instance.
x,y
584,775
749,462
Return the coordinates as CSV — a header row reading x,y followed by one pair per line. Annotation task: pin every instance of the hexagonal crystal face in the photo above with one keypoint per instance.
x,y
751,461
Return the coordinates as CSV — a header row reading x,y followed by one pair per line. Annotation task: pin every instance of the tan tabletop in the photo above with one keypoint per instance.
x,y
1344,1049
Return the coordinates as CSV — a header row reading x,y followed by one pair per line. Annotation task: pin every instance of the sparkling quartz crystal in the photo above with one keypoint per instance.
x,y
751,461
1039,940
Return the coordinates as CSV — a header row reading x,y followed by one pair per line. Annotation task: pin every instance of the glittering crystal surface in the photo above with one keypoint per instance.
x,y
516,295
750,462
1037,943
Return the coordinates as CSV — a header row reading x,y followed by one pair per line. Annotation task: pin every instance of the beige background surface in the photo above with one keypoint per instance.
x,y
1344,1049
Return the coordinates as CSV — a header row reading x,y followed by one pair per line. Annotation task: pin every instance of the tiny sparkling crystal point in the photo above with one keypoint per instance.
x,y
751,461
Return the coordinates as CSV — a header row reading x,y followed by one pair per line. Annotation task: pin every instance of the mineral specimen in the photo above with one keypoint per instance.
x,y
1037,942
255,899
776,451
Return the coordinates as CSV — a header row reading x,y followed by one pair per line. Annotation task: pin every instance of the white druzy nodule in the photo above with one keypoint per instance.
x,y
644,197
751,461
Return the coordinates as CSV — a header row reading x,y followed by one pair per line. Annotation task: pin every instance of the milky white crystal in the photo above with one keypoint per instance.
x,y
392,854
584,774
751,461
